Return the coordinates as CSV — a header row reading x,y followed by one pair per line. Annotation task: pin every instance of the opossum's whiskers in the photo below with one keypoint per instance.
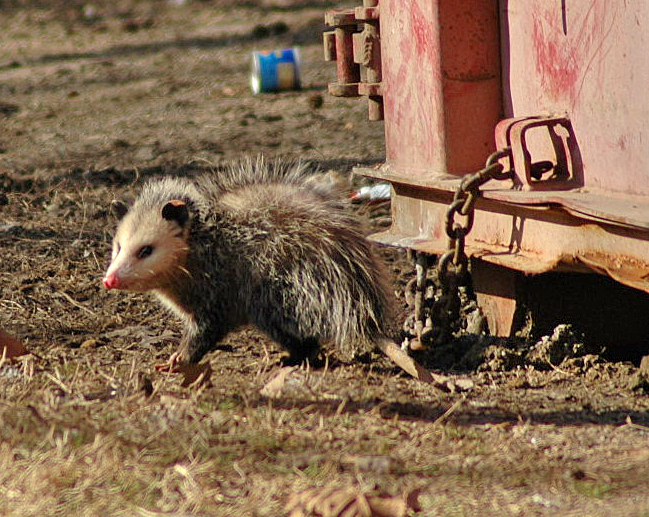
x,y
184,270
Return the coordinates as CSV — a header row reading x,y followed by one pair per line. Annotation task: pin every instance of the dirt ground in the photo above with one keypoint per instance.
x,y
95,98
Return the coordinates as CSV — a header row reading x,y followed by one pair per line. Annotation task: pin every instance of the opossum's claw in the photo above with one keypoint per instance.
x,y
175,361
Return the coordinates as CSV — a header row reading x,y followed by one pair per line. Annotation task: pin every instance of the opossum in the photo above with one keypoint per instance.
x,y
260,243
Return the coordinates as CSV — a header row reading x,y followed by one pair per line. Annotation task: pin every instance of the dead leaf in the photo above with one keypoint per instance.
x,y
464,384
10,346
350,502
273,388
451,385
195,375
89,343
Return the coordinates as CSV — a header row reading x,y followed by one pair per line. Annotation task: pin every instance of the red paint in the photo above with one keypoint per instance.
x,y
564,59
412,133
422,32
556,63
441,101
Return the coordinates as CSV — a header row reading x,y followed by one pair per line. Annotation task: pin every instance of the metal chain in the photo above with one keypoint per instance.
x,y
464,205
433,316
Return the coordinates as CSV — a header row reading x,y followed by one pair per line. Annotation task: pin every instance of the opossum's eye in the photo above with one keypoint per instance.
x,y
144,251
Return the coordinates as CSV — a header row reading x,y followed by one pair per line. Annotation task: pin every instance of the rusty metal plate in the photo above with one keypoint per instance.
x,y
572,90
339,17
532,239
585,59
441,83
619,209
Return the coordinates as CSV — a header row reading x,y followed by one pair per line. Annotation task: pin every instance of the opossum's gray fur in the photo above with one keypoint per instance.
x,y
269,245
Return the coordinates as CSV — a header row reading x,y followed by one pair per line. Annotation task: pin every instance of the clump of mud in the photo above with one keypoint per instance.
x,y
470,348
554,349
480,352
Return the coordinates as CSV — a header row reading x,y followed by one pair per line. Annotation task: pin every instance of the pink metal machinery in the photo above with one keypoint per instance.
x,y
560,85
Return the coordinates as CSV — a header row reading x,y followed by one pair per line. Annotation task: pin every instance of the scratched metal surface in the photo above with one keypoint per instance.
x,y
586,59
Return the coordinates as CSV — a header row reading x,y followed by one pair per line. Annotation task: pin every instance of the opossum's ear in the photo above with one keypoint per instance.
x,y
176,210
118,208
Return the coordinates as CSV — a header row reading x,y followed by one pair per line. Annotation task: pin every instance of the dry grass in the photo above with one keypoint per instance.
x,y
76,440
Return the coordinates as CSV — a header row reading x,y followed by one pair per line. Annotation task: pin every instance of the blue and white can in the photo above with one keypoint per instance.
x,y
275,70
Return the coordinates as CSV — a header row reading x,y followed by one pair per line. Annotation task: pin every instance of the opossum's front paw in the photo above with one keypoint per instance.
x,y
175,361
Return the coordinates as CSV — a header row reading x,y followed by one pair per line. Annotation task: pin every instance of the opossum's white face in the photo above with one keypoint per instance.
x,y
149,247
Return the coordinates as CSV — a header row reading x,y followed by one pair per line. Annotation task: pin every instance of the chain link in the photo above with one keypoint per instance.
x,y
434,315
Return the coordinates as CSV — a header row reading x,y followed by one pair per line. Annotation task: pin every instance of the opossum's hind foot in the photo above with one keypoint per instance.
x,y
300,351
314,361
176,359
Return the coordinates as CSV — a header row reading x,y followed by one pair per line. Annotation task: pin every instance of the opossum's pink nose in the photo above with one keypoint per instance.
x,y
111,281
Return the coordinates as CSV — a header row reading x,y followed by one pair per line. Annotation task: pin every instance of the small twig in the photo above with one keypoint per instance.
x,y
629,423
450,410
110,379
75,303
34,354
341,407
137,176
324,372
557,369
58,382
94,256
204,160
132,372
